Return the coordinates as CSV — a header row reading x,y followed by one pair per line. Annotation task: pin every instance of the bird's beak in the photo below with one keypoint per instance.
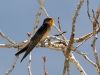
x,y
52,21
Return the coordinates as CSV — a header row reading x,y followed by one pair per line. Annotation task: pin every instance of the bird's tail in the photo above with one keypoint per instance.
x,y
23,50
23,57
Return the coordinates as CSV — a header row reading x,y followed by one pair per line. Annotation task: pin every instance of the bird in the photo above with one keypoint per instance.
x,y
39,36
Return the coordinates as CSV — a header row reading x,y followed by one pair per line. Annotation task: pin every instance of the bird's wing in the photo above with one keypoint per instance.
x,y
23,50
35,39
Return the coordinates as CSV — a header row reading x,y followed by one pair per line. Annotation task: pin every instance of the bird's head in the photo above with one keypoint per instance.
x,y
49,21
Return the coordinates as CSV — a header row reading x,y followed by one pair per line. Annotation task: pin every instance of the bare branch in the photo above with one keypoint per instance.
x,y
76,63
9,40
68,50
29,65
85,37
38,16
13,65
66,67
94,40
73,28
20,45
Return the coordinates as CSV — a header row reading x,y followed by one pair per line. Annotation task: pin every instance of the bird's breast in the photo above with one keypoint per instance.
x,y
46,34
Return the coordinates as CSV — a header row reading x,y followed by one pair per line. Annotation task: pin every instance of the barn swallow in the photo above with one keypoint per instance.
x,y
39,36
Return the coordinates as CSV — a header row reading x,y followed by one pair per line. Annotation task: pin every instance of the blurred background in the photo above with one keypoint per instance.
x,y
17,17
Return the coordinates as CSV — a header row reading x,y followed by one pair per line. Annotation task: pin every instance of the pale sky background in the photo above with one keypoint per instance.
x,y
17,17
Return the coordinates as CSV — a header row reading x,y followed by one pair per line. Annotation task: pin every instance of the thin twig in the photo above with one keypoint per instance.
x,y
30,58
59,23
88,11
44,60
60,34
60,26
